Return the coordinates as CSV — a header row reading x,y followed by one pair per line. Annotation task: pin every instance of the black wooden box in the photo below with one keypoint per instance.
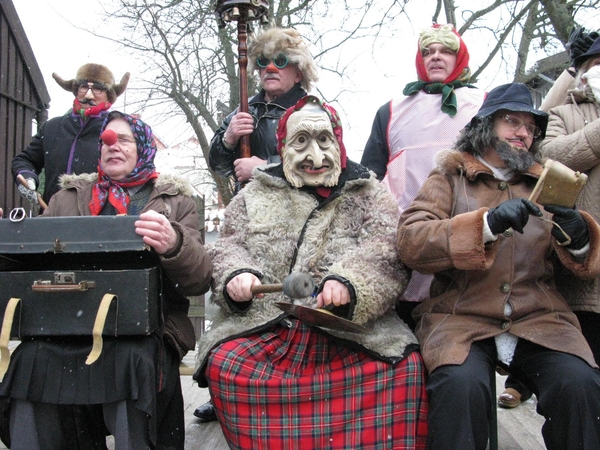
x,y
61,267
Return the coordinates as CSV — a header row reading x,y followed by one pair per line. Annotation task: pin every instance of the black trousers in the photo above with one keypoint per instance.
x,y
590,327
567,389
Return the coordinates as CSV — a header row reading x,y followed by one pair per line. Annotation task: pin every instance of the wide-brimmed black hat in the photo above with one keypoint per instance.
x,y
592,51
512,97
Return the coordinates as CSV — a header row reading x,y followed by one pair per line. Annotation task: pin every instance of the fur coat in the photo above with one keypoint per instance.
x,y
272,229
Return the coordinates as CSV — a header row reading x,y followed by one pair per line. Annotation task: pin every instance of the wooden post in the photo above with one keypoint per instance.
x,y
243,63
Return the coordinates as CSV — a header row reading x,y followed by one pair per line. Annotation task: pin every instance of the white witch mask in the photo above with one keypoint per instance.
x,y
311,155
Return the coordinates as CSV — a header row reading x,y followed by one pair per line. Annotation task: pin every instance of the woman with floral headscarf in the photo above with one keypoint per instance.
x,y
275,381
134,387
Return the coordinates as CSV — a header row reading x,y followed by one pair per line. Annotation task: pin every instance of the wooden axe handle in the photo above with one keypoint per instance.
x,y
23,181
266,288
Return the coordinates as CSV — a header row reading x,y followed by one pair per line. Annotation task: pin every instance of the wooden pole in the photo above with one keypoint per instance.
x,y
243,63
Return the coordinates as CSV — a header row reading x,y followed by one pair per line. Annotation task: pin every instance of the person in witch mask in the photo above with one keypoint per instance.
x,y
276,381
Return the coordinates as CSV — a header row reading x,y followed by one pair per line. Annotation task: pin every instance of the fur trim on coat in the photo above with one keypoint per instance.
x,y
272,229
441,232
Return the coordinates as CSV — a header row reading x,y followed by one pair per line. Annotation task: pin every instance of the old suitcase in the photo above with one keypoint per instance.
x,y
61,268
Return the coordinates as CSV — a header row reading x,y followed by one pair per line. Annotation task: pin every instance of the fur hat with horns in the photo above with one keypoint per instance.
x,y
94,73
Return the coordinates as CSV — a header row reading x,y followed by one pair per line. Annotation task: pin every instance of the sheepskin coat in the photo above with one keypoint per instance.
x,y
573,138
272,229
442,233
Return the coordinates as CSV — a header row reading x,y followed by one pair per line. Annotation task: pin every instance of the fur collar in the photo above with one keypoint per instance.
x,y
452,162
353,175
183,186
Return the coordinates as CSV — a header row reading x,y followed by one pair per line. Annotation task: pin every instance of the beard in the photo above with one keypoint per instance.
x,y
516,158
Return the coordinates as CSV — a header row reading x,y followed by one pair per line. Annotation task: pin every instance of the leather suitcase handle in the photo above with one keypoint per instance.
x,y
43,286
9,314
99,327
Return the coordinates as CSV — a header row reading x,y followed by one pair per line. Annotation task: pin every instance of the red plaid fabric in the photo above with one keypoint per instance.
x,y
297,388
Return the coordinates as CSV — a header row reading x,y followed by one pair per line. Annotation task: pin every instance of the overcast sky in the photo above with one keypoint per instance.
x,y
59,46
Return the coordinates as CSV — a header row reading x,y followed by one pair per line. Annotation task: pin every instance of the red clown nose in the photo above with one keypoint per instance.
x,y
109,137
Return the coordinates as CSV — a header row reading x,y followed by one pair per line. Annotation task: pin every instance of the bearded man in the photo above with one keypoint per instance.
x,y
493,298
275,381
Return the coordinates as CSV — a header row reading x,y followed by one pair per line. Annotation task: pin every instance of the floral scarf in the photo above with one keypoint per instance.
x,y
113,191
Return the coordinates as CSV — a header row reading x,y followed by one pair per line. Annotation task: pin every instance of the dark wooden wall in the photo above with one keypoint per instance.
x,y
24,99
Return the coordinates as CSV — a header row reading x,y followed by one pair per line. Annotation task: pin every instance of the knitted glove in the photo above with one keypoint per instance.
x,y
571,222
511,214
579,42
29,194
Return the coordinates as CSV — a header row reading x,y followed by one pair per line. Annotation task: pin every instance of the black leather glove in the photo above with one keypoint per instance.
x,y
571,222
580,42
511,214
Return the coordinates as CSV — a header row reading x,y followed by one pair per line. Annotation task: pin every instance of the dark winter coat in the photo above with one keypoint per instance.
x,y
263,140
67,144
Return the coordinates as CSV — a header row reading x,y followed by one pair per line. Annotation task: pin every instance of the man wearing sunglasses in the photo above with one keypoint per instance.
x,y
69,143
286,72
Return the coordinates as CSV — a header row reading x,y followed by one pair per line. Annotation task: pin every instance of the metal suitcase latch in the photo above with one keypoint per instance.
x,y
63,282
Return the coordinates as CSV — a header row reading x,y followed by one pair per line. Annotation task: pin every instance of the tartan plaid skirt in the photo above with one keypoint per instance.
x,y
298,388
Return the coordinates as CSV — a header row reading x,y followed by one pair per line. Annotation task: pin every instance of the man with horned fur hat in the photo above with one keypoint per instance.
x,y
69,143
286,71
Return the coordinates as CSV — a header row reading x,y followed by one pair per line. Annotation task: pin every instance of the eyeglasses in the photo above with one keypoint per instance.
x,y
121,141
97,88
280,61
514,123
125,141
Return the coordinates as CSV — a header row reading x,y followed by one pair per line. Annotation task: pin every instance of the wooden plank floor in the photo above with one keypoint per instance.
x,y
518,428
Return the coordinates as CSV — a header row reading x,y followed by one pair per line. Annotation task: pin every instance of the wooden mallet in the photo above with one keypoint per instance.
x,y
295,285
23,181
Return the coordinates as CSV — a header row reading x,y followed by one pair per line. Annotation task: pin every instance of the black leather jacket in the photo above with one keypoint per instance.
x,y
263,140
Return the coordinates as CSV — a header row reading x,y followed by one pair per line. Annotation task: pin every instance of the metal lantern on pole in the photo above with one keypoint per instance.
x,y
242,12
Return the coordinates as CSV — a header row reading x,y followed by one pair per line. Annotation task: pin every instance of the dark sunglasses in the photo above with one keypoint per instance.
x,y
280,61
